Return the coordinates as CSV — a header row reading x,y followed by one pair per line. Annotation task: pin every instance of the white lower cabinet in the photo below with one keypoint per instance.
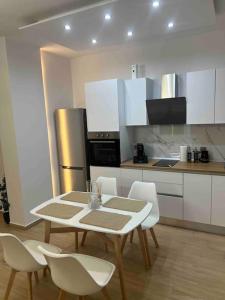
x,y
169,186
128,176
106,172
171,206
197,198
218,201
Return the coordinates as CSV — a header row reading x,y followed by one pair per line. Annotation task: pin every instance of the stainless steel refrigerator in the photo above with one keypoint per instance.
x,y
71,132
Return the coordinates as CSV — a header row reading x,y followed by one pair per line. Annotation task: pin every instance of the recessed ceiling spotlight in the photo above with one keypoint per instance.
x,y
67,27
94,41
170,25
155,4
130,33
107,17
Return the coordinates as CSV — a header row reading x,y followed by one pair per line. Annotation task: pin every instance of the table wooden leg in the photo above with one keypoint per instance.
x,y
76,241
105,293
117,247
47,231
124,239
29,280
36,277
84,238
143,246
147,247
131,236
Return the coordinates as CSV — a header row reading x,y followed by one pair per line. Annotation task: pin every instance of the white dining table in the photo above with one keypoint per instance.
x,y
112,237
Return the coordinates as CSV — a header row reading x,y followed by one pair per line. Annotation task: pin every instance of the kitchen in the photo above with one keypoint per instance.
x,y
190,62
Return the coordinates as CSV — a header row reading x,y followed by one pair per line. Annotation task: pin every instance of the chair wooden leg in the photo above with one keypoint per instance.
x,y
154,237
10,284
81,297
76,241
124,239
36,277
61,295
131,236
106,247
29,280
105,294
83,238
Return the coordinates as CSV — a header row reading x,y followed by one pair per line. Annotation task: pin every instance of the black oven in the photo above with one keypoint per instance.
x,y
104,149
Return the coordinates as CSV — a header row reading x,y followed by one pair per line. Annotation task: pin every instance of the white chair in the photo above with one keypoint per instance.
x,y
79,274
146,191
23,257
106,185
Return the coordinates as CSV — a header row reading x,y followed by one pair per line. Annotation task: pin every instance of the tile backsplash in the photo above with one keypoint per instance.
x,y
161,141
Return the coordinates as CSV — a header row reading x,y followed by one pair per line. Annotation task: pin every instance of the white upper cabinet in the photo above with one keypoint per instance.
x,y
103,99
137,91
220,96
201,97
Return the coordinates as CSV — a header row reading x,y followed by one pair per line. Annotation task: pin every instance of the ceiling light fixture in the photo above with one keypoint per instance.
x,y
94,41
155,4
67,27
107,17
130,33
170,25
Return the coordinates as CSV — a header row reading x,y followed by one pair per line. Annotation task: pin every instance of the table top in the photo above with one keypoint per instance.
x,y
136,217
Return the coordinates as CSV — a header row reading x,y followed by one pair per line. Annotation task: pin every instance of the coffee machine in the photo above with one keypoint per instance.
x,y
140,157
204,155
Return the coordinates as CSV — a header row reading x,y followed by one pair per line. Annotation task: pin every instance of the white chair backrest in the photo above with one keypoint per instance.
x,y
69,274
145,191
107,185
16,255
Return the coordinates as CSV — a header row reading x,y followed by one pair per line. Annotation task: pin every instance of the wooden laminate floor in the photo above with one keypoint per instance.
x,y
188,265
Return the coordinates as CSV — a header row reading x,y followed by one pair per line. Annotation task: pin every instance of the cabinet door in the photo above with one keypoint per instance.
x,y
95,172
201,97
197,198
128,176
137,91
218,201
220,96
102,105
171,206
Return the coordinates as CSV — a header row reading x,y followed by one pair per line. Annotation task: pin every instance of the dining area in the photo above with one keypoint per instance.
x,y
98,214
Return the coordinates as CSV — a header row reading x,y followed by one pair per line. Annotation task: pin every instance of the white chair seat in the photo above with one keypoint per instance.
x,y
100,270
32,247
150,222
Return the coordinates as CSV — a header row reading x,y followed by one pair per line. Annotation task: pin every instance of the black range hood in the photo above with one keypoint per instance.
x,y
167,111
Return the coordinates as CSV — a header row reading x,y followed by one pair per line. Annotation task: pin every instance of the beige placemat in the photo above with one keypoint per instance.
x,y
106,220
61,211
77,197
125,204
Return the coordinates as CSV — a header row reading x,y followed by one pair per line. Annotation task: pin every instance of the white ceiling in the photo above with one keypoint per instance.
x,y
138,15
16,13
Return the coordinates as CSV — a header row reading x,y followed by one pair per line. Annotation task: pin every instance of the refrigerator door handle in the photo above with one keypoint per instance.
x,y
72,168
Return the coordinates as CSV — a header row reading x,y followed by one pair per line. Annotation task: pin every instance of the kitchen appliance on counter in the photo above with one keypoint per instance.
x,y
204,155
104,149
165,163
140,157
71,133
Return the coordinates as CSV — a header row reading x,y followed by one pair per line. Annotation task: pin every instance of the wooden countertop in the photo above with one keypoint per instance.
x,y
212,168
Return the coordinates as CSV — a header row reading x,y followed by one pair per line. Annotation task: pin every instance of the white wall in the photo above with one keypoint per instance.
x,y
1,163
181,54
25,142
57,81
